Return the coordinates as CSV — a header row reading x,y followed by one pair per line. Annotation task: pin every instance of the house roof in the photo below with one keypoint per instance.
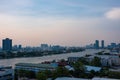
x,y
89,68
68,78
35,65
103,79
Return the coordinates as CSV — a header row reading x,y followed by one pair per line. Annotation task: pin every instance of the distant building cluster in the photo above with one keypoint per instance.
x,y
7,46
97,45
101,45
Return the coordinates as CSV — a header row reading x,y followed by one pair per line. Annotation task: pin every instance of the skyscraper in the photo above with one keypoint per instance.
x,y
7,44
97,44
102,44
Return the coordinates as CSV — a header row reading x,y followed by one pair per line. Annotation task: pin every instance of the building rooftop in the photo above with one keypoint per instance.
x,y
5,70
95,78
89,68
104,56
68,78
35,65
104,79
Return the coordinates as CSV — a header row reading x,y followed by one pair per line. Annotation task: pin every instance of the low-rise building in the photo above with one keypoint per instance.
x,y
70,78
73,59
97,78
6,73
106,60
90,68
35,67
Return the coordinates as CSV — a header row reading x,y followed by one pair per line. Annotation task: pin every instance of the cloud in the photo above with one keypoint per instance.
x,y
16,2
114,14
71,3
15,7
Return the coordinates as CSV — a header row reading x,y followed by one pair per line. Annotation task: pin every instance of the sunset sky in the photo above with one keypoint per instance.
x,y
63,22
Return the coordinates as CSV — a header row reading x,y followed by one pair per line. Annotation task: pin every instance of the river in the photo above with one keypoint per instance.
x,y
12,62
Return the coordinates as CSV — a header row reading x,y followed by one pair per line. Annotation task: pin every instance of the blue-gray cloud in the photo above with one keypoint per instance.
x,y
66,8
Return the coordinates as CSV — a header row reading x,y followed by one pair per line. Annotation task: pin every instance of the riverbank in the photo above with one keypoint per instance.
x,y
14,54
12,62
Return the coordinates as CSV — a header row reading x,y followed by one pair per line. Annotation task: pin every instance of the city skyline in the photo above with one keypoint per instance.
x,y
64,22
97,44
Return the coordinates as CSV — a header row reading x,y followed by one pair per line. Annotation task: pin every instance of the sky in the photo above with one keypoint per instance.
x,y
62,22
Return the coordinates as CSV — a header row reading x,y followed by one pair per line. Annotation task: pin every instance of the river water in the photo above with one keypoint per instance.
x,y
12,62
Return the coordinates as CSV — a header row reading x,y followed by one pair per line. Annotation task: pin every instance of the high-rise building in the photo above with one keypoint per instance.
x,y
102,44
97,44
7,44
20,46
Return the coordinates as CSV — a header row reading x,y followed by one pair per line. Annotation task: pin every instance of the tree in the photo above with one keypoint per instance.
x,y
48,73
21,73
41,76
104,71
15,74
96,61
60,72
79,69
30,74
25,73
100,53
113,74
83,61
